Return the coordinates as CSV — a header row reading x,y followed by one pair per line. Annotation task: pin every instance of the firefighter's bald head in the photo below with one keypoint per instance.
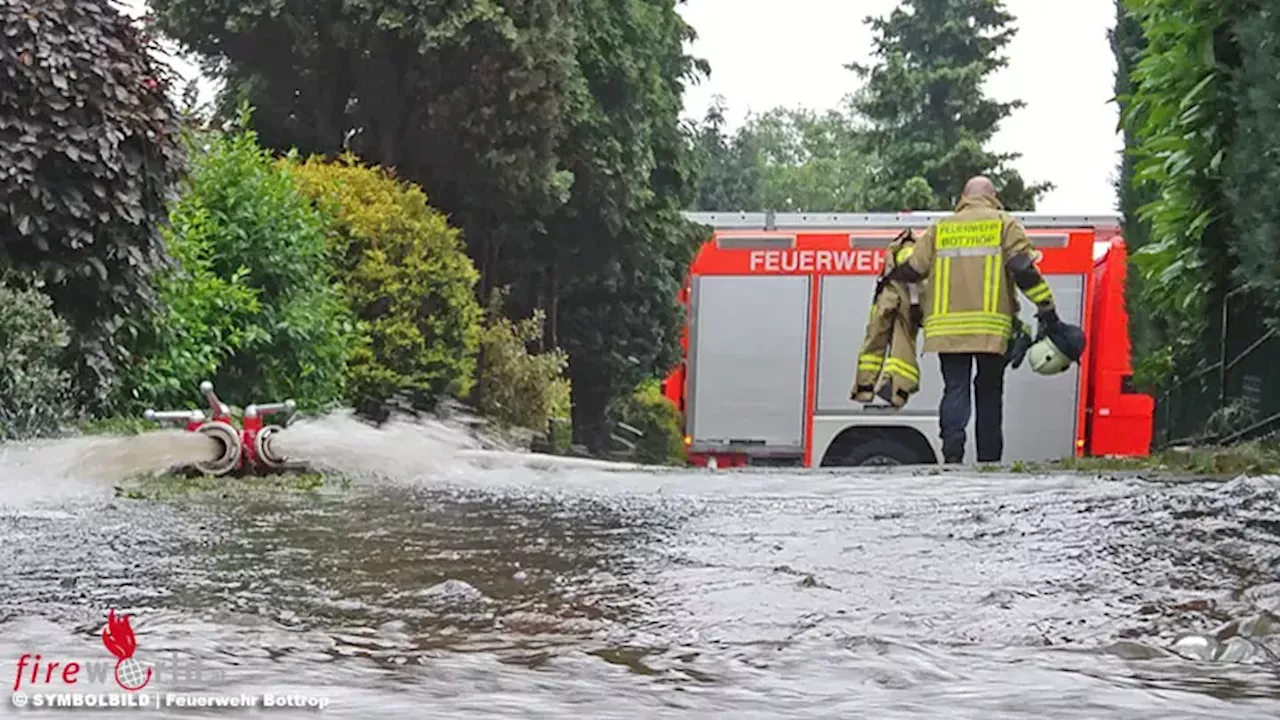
x,y
978,186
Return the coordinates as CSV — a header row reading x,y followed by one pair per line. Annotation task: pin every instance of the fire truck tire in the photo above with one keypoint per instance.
x,y
878,451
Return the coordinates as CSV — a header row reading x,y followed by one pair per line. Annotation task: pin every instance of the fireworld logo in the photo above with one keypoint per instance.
x,y
118,637
127,671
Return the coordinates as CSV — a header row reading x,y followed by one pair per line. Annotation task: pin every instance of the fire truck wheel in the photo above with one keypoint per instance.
x,y
879,451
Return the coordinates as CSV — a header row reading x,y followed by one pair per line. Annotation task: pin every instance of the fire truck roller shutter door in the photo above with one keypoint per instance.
x,y
748,369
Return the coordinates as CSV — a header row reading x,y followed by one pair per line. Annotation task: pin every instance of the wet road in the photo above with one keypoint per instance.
x,y
516,593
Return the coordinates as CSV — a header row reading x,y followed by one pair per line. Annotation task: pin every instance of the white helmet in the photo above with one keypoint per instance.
x,y
1054,351
1046,359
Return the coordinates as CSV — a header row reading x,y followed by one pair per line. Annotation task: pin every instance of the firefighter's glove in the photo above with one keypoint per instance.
x,y
1019,344
894,262
903,254
1048,322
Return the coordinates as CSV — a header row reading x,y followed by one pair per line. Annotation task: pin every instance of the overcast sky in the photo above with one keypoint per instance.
x,y
766,53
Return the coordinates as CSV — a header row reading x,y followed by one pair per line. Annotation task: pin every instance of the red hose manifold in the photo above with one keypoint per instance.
x,y
246,448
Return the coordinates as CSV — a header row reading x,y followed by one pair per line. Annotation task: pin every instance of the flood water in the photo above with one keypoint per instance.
x,y
448,587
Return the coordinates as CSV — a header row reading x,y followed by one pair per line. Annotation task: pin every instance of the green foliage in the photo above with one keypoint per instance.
x,y
184,487
621,246
89,146
929,118
811,162
516,386
622,325
407,278
205,317
1253,162
561,416
1127,43
650,412
547,130
252,306
469,99
35,393
1180,114
727,166
790,160
1247,458
117,425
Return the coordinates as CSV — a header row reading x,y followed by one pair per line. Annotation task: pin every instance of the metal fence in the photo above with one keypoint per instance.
x,y
1235,394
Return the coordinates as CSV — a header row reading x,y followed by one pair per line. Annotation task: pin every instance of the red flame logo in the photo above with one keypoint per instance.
x,y
117,636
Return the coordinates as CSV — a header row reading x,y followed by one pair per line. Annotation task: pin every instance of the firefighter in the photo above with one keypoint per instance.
x,y
970,310
887,361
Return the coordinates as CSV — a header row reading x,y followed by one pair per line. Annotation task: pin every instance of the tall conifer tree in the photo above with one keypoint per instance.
x,y
930,121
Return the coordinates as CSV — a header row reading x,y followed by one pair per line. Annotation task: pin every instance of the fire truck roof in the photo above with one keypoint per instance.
x,y
814,221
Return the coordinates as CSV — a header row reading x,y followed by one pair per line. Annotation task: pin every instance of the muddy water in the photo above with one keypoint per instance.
x,y
448,584
39,471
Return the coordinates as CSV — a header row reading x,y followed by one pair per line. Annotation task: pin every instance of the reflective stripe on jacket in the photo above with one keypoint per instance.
x,y
969,299
887,363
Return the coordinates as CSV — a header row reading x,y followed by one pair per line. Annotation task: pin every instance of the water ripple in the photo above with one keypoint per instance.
x,y
495,590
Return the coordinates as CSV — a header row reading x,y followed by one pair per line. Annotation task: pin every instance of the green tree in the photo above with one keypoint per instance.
x,y
468,99
789,160
810,161
90,150
1251,165
548,130
923,99
1127,43
727,166
1180,112
619,247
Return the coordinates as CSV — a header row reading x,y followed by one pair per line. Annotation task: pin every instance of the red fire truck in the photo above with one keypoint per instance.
x,y
777,306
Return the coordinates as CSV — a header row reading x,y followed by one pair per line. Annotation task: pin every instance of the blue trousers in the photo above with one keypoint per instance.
x,y
988,397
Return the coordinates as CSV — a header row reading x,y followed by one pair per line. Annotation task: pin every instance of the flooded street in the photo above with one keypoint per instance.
x,y
465,589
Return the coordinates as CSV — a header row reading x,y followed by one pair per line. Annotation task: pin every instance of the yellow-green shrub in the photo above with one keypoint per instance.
x,y
516,386
650,412
409,282
561,414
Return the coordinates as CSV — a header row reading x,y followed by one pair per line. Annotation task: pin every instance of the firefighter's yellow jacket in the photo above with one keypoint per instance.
x,y
969,303
887,361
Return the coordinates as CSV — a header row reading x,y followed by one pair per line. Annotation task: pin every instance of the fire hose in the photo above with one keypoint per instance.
x,y
246,448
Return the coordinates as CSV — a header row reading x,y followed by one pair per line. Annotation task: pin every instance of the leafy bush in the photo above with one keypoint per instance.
x,y
650,412
1180,117
560,415
408,280
516,386
35,393
204,321
252,306
90,150
116,425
